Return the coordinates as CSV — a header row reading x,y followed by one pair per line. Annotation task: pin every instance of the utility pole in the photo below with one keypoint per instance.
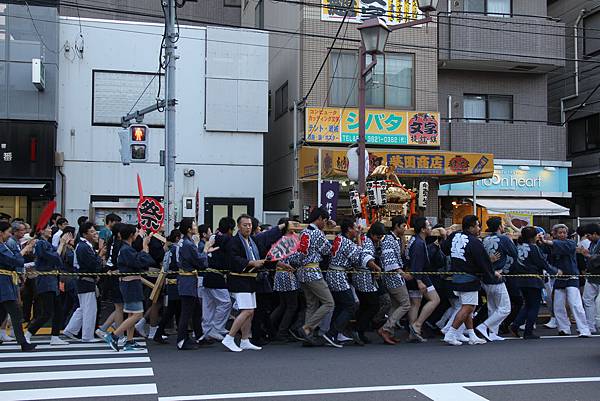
x,y
170,143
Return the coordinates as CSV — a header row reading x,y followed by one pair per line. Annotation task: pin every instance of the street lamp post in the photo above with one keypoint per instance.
x,y
374,33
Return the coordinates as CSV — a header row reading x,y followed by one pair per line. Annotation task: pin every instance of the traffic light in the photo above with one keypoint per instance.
x,y
139,142
423,194
134,144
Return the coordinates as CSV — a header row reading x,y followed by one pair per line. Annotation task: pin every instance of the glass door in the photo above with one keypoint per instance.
x,y
217,208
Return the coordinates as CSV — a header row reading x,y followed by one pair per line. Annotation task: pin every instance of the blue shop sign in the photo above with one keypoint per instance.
x,y
511,180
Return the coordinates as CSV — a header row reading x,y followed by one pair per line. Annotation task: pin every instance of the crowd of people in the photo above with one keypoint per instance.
x,y
221,287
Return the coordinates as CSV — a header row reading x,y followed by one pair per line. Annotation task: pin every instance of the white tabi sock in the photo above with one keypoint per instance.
x,y
152,331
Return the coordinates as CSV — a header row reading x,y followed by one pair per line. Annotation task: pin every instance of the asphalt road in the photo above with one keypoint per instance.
x,y
551,369
213,373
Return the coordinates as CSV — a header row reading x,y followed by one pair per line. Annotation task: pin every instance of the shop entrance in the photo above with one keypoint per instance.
x,y
22,207
216,208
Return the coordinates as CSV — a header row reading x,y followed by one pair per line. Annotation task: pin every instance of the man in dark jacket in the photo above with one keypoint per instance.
x,y
470,259
243,257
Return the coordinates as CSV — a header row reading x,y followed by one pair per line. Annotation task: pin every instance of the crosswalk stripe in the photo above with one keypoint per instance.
x,y
78,392
74,374
68,346
46,340
72,362
5,355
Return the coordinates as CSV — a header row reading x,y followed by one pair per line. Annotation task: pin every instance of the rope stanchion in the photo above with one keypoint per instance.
x,y
227,272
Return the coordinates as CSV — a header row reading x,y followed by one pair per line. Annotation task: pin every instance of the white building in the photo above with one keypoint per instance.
x,y
222,110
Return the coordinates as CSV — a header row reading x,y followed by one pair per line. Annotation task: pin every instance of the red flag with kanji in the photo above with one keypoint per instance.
x,y
150,212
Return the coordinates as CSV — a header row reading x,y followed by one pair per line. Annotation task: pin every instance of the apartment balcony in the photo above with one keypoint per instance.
x,y
493,43
506,140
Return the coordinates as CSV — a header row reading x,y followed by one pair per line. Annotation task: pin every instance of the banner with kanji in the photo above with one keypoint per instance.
x,y
382,127
329,197
449,167
392,11
150,212
286,246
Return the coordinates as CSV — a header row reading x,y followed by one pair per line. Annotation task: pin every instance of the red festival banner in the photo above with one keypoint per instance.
x,y
150,212
286,246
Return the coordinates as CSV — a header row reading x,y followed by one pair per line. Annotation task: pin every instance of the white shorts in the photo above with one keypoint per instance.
x,y
244,300
468,298
418,294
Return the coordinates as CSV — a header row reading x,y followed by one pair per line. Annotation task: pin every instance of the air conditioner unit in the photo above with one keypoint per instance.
x,y
38,74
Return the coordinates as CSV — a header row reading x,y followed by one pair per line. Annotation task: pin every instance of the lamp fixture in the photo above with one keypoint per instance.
x,y
524,168
374,33
427,6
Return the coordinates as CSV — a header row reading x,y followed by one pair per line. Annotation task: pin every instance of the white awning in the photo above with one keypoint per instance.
x,y
20,185
535,206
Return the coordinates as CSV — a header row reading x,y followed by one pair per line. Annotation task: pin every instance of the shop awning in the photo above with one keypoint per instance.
x,y
536,207
21,185
448,167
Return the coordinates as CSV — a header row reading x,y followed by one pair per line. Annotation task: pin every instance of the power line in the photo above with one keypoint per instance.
x,y
288,33
278,31
325,59
38,32
464,15
334,70
230,42
407,15
418,47
582,104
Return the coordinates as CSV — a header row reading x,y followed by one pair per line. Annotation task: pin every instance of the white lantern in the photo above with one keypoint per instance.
x,y
352,156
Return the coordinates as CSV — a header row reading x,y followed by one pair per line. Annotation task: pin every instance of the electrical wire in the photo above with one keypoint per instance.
x,y
582,104
38,32
334,71
287,33
464,15
432,48
325,59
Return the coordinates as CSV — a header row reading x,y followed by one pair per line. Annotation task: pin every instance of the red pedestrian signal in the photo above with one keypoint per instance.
x,y
138,143
138,133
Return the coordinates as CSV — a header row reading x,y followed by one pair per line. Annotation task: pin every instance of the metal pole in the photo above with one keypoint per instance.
x,y
361,120
170,142
295,196
474,200
319,178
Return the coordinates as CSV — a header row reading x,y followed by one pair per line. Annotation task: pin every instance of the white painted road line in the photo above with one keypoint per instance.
x,y
444,392
67,353
74,374
552,337
78,392
46,340
72,362
68,346
346,390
